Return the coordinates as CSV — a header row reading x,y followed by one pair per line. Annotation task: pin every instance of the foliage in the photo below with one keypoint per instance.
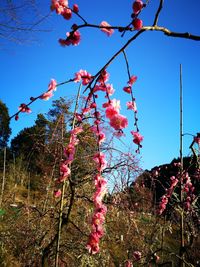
x,y
5,129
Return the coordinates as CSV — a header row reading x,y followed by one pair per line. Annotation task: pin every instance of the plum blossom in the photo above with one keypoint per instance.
x,y
73,38
137,6
128,263
112,108
67,13
137,24
52,85
103,77
93,243
57,193
131,105
84,76
137,137
127,89
132,80
118,122
106,30
75,8
137,255
24,108
99,158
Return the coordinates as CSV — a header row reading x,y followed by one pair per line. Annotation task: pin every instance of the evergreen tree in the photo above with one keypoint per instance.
x,y
5,129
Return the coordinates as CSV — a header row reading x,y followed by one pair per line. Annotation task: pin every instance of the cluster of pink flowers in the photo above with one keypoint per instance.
x,y
73,38
165,197
49,93
106,28
137,138
69,153
137,7
98,217
83,76
137,255
62,8
188,189
117,121
24,108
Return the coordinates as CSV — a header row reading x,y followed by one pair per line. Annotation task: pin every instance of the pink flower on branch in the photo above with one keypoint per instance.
x,y
105,27
118,122
131,105
127,89
93,243
137,255
132,80
24,108
137,138
137,24
84,76
137,6
73,38
57,193
99,158
46,96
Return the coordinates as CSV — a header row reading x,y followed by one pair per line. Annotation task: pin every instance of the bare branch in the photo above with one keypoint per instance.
x,y
158,12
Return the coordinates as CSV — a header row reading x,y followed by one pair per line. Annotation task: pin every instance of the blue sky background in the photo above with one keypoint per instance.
x,y
26,69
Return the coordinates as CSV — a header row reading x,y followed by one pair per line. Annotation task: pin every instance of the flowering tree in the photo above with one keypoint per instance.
x,y
105,119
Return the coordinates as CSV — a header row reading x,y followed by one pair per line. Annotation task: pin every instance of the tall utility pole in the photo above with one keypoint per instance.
x,y
182,241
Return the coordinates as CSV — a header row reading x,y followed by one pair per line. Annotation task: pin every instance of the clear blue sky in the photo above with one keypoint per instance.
x,y
27,69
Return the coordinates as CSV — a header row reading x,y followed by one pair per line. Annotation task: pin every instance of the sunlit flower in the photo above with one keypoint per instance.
x,y
137,137
108,31
118,122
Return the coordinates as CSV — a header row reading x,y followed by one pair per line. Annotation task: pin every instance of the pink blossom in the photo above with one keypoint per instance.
x,y
52,85
137,24
75,8
109,89
93,243
76,130
84,75
57,193
24,108
99,158
98,218
118,122
137,6
73,38
78,117
132,80
108,31
131,105
86,110
67,13
16,117
46,96
127,89
128,264
137,137
103,77
64,170
113,108
137,255
101,137
55,5
93,105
